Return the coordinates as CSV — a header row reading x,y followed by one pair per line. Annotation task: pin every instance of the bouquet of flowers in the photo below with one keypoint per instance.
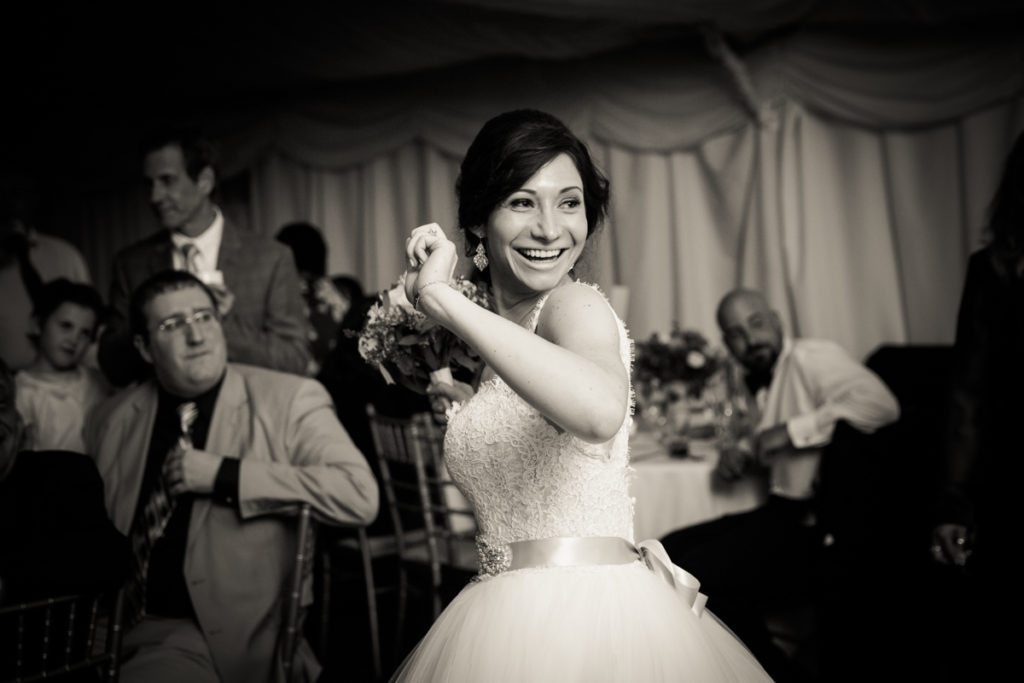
x,y
410,348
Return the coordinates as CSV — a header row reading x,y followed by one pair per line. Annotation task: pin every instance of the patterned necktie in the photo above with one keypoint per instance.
x,y
149,525
190,254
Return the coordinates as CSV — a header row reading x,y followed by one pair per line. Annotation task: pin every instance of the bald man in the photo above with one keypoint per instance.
x,y
798,389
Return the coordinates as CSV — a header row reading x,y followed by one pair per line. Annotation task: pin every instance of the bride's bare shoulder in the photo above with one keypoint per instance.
x,y
577,307
578,295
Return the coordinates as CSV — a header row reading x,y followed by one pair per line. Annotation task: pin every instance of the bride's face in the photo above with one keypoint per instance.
x,y
535,236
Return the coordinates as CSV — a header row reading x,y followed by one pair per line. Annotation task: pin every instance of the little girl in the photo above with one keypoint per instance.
x,y
56,392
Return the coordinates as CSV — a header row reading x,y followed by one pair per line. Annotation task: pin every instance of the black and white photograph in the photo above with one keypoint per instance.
x,y
511,341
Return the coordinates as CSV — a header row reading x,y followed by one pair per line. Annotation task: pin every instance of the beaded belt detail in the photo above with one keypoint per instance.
x,y
495,558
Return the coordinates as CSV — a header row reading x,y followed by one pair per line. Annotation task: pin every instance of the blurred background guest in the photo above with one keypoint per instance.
x,y
57,392
354,384
325,306
28,259
976,530
351,290
337,308
253,278
55,538
752,562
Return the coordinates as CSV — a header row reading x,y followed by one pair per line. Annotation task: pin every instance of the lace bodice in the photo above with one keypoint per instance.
x,y
525,479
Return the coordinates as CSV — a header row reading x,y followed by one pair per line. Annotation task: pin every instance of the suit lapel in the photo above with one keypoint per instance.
x,y
161,257
131,463
230,251
225,438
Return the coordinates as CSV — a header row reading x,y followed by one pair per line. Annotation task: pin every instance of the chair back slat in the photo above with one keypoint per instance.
x,y
445,510
302,567
19,661
47,625
51,637
114,635
401,492
411,458
94,614
70,634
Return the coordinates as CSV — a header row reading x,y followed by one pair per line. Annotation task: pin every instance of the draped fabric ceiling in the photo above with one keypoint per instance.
x,y
840,160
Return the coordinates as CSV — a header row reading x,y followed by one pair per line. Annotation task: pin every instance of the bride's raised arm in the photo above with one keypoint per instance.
x,y
571,370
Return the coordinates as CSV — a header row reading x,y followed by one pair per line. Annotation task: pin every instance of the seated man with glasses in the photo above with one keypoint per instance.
x,y
202,466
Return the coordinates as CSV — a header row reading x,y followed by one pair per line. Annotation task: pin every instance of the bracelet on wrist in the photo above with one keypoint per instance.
x,y
419,292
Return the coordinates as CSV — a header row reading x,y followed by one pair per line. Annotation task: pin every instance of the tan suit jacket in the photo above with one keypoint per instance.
x,y
237,563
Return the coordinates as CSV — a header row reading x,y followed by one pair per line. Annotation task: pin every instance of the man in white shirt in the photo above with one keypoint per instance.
x,y
253,277
798,390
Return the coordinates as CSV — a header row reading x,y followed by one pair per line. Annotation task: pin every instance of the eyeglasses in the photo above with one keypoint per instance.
x,y
204,317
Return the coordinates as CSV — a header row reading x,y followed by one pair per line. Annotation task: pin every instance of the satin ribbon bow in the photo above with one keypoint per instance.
x,y
683,582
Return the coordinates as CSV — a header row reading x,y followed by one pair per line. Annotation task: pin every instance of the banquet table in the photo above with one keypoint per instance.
x,y
671,492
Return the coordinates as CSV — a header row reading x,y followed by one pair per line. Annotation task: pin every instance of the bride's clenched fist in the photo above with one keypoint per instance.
x,y
432,258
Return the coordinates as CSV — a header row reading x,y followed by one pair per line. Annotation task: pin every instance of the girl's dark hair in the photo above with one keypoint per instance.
x,y
1006,214
506,152
56,292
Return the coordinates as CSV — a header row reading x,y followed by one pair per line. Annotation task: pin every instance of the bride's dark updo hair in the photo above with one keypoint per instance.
x,y
506,153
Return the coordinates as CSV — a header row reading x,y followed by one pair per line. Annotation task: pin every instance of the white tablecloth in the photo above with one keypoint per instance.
x,y
674,492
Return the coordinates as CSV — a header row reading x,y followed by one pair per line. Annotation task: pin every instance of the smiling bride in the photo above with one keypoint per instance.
x,y
540,448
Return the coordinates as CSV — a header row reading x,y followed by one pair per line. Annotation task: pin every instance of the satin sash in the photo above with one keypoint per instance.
x,y
601,550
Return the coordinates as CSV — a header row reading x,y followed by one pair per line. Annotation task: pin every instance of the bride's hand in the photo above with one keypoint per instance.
x,y
442,395
432,258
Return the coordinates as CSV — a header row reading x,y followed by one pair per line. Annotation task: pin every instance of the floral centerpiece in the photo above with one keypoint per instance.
x,y
684,361
410,348
675,378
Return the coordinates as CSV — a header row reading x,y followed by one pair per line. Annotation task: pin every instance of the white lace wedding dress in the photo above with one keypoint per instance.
x,y
615,623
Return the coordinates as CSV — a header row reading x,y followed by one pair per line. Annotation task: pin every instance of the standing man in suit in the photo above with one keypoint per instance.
x,y
799,389
202,466
253,277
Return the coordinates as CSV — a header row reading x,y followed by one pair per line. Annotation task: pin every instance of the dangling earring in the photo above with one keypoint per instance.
x,y
480,257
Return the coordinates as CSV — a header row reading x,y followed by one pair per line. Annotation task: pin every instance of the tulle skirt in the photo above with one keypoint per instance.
x,y
615,623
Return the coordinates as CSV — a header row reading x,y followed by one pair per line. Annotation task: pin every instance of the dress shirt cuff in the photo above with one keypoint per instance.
x,y
811,429
225,486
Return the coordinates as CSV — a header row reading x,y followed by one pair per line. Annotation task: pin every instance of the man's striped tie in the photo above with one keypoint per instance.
x,y
149,526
